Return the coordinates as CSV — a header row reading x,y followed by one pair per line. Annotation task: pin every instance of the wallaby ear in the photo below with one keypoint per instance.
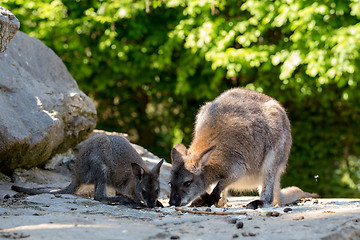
x,y
156,169
177,153
137,170
205,156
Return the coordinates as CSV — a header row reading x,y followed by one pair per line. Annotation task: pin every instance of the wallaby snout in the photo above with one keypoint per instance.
x,y
175,200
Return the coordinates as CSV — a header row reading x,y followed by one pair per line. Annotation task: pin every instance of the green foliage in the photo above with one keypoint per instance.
x,y
149,72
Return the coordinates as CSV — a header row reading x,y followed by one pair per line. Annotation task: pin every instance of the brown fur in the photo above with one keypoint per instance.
x,y
241,140
111,160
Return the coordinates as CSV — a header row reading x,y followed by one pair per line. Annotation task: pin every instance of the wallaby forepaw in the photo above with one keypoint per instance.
x,y
198,202
255,204
209,199
221,202
204,200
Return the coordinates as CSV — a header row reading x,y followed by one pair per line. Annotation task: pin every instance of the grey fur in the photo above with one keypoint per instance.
x,y
111,160
242,140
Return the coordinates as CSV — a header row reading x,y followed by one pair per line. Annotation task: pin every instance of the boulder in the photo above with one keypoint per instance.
x,y
42,110
9,25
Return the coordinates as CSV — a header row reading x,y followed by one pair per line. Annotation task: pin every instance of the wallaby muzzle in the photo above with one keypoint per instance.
x,y
175,200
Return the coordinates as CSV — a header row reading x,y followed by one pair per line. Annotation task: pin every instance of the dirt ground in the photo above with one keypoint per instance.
x,y
74,217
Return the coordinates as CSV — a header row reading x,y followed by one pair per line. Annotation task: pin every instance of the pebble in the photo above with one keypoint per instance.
x,y
298,218
175,237
239,225
17,195
273,214
287,209
235,236
7,196
248,234
233,220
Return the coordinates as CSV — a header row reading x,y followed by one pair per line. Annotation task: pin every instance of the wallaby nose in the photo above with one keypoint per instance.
x,y
174,202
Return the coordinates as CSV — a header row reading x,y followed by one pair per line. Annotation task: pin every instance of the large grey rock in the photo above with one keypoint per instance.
x,y
9,25
42,110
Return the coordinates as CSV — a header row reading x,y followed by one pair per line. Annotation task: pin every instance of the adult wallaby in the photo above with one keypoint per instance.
x,y
241,140
111,160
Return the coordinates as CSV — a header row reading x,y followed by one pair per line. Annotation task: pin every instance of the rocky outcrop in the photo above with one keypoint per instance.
x,y
42,110
9,25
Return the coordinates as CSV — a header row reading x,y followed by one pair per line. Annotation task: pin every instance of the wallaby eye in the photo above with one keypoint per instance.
x,y
187,183
157,191
143,192
170,184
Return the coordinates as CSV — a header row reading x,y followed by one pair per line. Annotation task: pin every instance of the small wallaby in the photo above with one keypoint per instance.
x,y
242,141
111,160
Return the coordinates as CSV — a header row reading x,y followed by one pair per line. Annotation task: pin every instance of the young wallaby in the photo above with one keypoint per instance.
x,y
111,160
242,140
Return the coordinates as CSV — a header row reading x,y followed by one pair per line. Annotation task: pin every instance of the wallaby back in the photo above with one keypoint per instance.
x,y
241,139
111,160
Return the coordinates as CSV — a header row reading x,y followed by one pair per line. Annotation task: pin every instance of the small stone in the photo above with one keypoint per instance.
x,y
175,237
73,209
252,234
235,236
208,210
298,218
287,210
269,214
17,195
273,214
233,220
7,196
239,225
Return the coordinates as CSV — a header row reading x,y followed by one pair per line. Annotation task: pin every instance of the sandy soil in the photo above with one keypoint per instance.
x,y
73,217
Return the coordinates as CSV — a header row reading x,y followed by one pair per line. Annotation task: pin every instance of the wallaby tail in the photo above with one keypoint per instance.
x,y
70,189
292,194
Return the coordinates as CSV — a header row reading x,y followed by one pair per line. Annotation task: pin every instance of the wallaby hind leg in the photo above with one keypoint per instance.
x,y
101,195
100,185
269,175
271,181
